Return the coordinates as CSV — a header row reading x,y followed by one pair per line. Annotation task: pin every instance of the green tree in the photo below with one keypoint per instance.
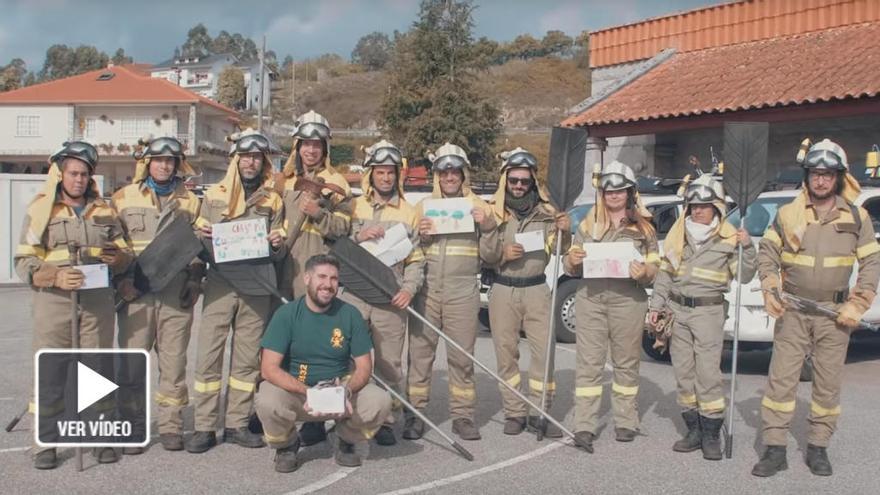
x,y
63,61
120,58
582,50
12,76
555,42
372,51
230,87
198,42
526,46
431,98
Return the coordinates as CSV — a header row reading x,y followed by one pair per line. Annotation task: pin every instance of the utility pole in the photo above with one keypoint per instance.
x,y
293,87
262,57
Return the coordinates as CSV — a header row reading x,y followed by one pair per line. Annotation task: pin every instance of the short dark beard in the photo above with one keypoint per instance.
x,y
313,295
815,197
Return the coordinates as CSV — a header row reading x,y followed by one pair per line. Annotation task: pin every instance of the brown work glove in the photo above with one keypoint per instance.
x,y
44,276
69,279
117,259
126,290
772,305
854,308
191,289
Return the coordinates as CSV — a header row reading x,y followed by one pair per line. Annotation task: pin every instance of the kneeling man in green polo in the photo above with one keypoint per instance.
x,y
317,341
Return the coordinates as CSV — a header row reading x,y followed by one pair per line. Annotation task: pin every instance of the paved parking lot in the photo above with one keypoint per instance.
x,y
503,464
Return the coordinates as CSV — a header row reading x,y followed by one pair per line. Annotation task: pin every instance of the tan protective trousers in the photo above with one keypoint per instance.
x,y
245,317
456,315
388,329
156,321
610,314
279,410
796,334
695,347
513,309
52,309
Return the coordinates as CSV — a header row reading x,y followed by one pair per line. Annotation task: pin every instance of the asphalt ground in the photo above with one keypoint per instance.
x,y
503,464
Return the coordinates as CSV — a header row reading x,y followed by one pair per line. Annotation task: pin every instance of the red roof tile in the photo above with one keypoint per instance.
x,y
126,86
834,64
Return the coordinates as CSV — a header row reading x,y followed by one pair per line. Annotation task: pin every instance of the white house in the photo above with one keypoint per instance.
x,y
111,108
201,75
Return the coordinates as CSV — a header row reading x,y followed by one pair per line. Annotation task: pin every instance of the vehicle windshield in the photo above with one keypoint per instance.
x,y
759,214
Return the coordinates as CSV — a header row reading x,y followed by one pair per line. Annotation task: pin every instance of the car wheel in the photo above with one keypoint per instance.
x,y
565,319
648,347
807,370
483,316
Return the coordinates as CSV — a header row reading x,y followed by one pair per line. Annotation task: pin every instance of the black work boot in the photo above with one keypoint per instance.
x,y
771,462
133,450
171,441
584,440
105,455
550,430
465,429
692,439
385,436
285,458
243,436
414,428
46,459
817,460
514,426
711,441
345,454
624,435
201,441
312,432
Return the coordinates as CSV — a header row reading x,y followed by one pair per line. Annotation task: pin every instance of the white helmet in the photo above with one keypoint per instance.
x,y
449,156
518,158
826,154
311,125
616,176
706,190
383,153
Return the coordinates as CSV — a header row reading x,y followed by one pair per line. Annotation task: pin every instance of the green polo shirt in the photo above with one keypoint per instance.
x,y
317,346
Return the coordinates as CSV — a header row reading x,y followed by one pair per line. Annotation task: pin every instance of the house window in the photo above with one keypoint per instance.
x,y
27,125
90,128
135,127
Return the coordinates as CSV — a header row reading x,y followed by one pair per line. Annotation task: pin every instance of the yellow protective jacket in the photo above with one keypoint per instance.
x,y
821,265
705,271
140,211
98,226
532,263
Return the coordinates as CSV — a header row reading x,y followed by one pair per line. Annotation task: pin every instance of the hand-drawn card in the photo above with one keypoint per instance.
x,y
450,215
241,240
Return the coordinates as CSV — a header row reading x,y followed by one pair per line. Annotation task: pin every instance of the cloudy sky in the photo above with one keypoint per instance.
x,y
149,30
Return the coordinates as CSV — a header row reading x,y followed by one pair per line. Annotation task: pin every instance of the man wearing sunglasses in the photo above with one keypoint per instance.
x,y
156,195
520,298
809,251
382,208
450,297
699,261
68,223
245,193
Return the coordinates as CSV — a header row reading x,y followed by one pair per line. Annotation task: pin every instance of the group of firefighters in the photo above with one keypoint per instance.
x,y
809,250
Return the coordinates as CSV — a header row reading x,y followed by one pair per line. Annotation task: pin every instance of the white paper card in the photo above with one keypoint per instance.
x,y
326,400
96,276
609,259
241,240
530,241
391,249
450,215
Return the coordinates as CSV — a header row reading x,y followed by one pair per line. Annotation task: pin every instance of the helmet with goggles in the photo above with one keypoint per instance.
x,y
311,125
616,176
80,150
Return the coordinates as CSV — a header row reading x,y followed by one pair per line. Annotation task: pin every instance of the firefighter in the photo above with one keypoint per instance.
x,y
611,311
809,251
520,296
699,261
310,219
245,193
450,297
382,208
156,195
65,224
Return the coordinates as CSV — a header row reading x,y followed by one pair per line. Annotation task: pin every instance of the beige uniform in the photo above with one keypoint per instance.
x,y
520,301
694,292
156,320
224,311
611,314
97,226
307,235
819,270
388,324
450,299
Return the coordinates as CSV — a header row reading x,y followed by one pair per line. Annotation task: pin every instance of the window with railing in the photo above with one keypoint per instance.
x,y
90,127
27,126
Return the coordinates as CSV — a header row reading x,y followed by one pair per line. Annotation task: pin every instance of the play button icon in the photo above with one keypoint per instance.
x,y
90,387
92,397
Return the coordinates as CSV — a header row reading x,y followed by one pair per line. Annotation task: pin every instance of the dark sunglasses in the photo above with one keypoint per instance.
x,y
525,181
